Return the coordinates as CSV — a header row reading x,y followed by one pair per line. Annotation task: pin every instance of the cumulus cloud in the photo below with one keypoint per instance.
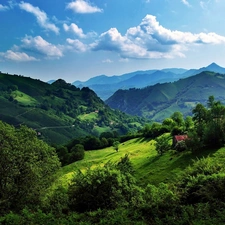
x,y
40,46
185,2
16,56
81,6
151,40
3,7
40,15
74,29
77,45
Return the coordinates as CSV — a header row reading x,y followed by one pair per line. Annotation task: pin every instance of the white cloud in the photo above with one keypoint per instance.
x,y
107,61
3,7
40,46
77,45
151,40
16,56
75,29
203,5
185,2
81,6
40,15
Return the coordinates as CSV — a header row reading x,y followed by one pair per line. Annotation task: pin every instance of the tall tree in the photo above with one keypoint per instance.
x,y
27,165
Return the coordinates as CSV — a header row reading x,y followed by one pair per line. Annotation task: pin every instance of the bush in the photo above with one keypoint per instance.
x,y
181,146
102,188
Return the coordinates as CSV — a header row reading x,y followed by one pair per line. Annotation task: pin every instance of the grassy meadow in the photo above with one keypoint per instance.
x,y
148,165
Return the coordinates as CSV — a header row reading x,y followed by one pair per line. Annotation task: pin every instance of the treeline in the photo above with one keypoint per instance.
x,y
205,129
75,149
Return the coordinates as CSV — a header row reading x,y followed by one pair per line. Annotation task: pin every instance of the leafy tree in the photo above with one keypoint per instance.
x,y
76,153
27,165
169,122
193,142
189,123
102,188
176,131
181,146
200,114
163,143
116,145
177,117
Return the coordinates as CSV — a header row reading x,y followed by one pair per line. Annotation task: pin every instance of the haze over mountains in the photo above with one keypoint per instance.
x,y
104,86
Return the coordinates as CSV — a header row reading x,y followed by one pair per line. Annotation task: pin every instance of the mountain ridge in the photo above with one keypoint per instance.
x,y
140,79
161,100
59,111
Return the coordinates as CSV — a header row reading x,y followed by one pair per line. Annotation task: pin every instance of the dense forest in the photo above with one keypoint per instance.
x,y
112,193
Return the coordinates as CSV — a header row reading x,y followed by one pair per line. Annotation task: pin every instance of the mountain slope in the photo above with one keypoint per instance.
x,y
137,79
59,111
140,79
161,100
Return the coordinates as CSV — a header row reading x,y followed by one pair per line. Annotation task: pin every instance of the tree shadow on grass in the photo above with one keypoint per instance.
x,y
142,139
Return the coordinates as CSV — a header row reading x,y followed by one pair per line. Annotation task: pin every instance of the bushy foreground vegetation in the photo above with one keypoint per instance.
x,y
112,191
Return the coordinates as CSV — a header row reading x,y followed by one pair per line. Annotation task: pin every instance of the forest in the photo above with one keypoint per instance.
x,y
114,192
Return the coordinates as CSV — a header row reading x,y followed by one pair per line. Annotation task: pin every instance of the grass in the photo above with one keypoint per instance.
x,y
90,116
23,98
99,130
148,165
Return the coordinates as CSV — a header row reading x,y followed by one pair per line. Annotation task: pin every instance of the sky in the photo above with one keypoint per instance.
x,y
79,39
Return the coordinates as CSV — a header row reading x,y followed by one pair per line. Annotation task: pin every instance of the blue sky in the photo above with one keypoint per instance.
x,y
79,39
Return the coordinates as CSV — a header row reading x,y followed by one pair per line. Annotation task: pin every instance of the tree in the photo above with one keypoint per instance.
x,y
177,117
116,145
168,122
77,153
102,188
200,114
27,165
163,143
189,124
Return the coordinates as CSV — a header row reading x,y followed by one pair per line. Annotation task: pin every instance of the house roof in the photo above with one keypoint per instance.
x,y
180,137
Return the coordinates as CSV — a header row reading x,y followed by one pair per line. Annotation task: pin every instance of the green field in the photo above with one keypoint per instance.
x,y
148,165
23,98
89,116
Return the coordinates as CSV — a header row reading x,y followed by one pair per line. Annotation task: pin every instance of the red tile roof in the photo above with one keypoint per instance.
x,y
180,137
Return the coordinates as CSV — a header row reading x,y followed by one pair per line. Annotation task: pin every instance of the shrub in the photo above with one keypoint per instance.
x,y
101,188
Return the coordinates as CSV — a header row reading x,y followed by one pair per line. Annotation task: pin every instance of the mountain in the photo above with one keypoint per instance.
x,y
213,67
136,79
59,111
105,86
161,100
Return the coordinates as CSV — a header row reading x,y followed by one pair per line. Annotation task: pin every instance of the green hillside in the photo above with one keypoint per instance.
x,y
148,165
161,100
170,173
59,111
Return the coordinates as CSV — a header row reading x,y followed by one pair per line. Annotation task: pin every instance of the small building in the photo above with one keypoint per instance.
x,y
178,138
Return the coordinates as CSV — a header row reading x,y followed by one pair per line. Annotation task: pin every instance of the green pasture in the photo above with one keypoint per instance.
x,y
148,165
89,116
23,98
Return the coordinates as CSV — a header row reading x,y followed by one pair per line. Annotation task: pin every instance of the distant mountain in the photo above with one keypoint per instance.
x,y
161,100
51,81
59,111
213,67
105,86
